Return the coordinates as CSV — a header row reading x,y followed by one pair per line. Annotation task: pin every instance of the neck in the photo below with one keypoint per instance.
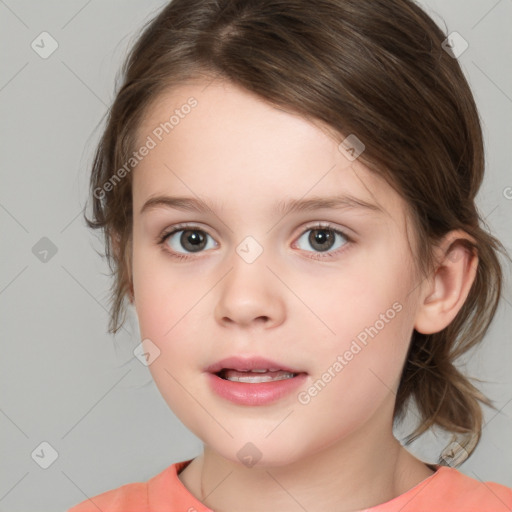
x,y
361,470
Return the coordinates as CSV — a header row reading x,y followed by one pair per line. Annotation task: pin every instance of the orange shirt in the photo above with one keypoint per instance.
x,y
447,490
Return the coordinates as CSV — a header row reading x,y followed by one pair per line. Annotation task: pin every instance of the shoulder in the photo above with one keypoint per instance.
x,y
155,495
473,492
131,497
451,490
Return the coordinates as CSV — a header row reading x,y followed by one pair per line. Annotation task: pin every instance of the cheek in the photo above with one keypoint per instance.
x,y
373,359
167,306
158,290
373,321
367,301
354,379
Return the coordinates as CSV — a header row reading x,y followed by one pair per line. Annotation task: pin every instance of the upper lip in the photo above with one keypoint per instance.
x,y
249,363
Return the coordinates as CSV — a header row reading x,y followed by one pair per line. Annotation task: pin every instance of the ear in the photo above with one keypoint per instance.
x,y
446,289
118,251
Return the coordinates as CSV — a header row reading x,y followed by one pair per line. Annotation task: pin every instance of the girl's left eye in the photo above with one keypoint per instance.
x,y
321,237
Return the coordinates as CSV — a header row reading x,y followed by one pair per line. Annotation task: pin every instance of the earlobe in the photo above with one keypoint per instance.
x,y
447,288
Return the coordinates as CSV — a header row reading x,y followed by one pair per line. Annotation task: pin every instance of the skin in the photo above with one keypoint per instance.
x,y
338,451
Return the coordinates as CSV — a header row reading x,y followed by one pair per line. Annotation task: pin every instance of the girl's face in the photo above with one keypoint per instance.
x,y
254,279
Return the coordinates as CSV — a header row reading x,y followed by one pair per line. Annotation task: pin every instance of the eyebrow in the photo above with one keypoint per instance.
x,y
282,207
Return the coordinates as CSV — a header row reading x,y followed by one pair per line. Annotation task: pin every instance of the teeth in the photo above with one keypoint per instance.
x,y
260,370
253,379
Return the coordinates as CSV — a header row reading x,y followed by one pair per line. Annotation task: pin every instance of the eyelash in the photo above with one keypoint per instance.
x,y
161,240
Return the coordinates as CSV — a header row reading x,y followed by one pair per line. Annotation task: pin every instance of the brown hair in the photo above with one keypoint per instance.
x,y
375,69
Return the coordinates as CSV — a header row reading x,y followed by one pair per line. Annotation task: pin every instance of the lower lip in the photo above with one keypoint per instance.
x,y
260,393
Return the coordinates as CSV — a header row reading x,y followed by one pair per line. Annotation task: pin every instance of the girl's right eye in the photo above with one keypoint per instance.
x,y
192,238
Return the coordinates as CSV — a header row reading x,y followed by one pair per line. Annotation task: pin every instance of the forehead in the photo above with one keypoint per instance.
x,y
223,109
234,147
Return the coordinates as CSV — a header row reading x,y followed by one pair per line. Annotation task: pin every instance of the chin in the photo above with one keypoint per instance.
x,y
258,453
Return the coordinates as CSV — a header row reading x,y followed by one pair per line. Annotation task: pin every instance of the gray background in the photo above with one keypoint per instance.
x,y
63,379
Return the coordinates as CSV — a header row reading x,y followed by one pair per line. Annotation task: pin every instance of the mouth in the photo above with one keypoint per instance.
x,y
253,380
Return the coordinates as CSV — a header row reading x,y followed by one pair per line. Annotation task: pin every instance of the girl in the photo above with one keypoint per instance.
x,y
287,192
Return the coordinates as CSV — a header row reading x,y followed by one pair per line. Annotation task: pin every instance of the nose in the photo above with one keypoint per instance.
x,y
250,294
